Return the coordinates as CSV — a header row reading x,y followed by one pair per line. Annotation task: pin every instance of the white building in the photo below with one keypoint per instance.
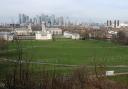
x,y
75,36
67,34
113,32
55,31
6,36
23,31
47,33
44,34
123,25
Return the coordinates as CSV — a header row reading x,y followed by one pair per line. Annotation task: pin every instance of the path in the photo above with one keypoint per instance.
x,y
55,64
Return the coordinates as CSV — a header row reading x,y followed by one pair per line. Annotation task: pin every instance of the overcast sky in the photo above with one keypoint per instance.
x,y
98,10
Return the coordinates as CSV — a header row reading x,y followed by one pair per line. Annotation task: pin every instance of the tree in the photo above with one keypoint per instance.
x,y
3,44
122,37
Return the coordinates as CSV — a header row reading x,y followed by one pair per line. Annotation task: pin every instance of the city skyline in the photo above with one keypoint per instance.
x,y
84,10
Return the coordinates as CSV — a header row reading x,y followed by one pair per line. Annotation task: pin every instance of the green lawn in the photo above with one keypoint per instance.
x,y
66,51
75,52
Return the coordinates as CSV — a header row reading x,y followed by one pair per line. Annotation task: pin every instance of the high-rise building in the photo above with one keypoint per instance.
x,y
61,21
115,24
110,23
118,23
27,19
20,19
34,21
107,23
52,19
23,19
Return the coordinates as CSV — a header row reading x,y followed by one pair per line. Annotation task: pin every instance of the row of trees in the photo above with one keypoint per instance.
x,y
121,38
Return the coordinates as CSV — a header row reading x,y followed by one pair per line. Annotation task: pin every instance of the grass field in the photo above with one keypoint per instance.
x,y
69,52
73,52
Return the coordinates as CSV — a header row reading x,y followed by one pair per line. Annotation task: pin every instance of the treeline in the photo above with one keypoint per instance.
x,y
121,38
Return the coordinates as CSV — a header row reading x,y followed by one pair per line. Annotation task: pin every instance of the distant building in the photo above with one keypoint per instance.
x,y
6,29
115,24
55,31
123,25
36,28
23,19
75,36
44,27
44,34
113,32
6,36
110,34
61,21
71,35
23,30
67,34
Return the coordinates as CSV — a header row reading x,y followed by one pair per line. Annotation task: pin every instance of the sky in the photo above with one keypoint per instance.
x,y
87,10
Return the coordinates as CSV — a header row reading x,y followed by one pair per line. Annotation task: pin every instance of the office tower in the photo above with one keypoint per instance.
x,y
20,19
61,21
42,17
34,21
52,19
115,24
107,23
31,20
27,19
118,23
110,23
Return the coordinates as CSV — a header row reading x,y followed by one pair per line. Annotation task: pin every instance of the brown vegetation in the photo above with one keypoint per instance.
x,y
81,78
121,38
3,44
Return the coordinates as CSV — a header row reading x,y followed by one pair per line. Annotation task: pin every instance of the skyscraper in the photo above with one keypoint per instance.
x,y
118,23
20,20
115,24
23,19
61,21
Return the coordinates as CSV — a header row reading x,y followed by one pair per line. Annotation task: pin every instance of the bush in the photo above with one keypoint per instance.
x,y
3,44
122,38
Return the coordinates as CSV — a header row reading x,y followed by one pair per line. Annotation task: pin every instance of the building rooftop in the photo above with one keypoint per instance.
x,y
5,33
54,29
36,28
